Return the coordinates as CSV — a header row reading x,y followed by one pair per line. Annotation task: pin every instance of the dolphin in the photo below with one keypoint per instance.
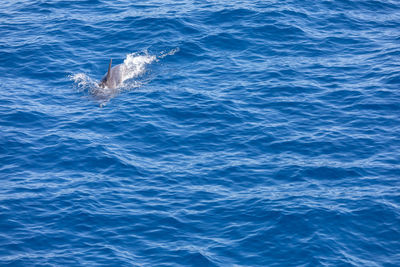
x,y
113,77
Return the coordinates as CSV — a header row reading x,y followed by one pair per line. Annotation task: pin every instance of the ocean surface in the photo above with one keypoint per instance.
x,y
249,133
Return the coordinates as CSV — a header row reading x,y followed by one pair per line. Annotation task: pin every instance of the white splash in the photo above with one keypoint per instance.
x,y
135,65
168,53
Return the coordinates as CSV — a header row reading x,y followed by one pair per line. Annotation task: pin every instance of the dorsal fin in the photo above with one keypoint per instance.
x,y
109,70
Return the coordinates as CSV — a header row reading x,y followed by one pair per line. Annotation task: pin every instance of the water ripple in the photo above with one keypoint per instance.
x,y
256,133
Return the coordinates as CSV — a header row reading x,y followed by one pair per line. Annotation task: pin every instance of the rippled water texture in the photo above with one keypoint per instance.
x,y
259,133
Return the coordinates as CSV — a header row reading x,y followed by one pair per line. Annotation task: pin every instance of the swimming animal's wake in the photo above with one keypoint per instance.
x,y
130,75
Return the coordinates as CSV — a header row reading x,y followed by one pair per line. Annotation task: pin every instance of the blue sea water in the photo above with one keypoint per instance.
x,y
249,133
